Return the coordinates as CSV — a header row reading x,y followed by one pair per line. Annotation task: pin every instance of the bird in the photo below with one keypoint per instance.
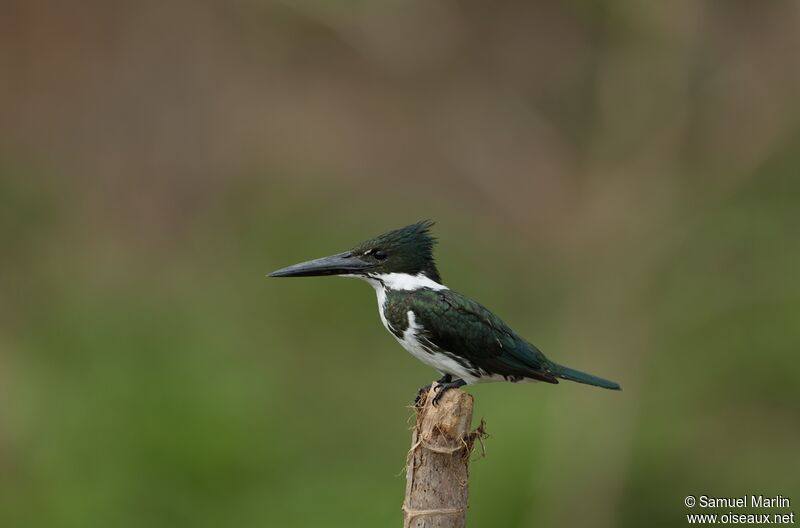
x,y
460,338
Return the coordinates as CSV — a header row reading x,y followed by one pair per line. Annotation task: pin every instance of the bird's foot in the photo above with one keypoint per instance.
x,y
425,389
441,388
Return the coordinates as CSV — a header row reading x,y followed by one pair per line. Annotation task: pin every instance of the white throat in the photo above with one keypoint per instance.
x,y
403,281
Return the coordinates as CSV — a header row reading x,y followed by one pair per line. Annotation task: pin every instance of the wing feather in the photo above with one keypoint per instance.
x,y
475,333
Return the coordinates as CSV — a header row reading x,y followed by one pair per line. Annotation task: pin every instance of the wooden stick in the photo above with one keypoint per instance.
x,y
437,467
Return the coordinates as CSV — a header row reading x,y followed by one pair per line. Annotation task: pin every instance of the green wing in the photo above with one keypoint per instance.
x,y
457,324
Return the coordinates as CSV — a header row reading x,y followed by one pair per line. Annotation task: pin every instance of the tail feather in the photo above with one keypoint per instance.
x,y
582,377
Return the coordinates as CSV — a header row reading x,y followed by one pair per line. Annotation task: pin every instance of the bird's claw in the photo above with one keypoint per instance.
x,y
441,388
441,385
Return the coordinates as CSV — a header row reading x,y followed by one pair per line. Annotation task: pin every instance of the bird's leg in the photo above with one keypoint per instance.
x,y
424,390
444,387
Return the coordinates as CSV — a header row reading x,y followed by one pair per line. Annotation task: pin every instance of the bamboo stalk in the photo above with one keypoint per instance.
x,y
437,468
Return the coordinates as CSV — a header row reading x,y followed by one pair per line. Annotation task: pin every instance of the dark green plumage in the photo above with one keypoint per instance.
x,y
459,337
407,250
454,323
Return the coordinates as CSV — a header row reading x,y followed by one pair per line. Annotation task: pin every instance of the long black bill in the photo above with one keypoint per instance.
x,y
341,264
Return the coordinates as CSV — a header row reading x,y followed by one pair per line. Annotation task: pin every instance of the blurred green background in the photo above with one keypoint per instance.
x,y
617,180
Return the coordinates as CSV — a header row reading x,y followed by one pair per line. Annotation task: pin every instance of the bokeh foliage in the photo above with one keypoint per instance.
x,y
619,181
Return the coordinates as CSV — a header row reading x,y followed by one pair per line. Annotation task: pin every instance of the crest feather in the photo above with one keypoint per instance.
x,y
410,249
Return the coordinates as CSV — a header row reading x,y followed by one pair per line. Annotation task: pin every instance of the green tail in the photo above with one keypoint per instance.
x,y
582,377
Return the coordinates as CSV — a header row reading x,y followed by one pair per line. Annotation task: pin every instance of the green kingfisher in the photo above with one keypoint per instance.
x,y
455,335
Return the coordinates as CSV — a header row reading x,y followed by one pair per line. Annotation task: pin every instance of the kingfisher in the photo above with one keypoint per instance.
x,y
444,329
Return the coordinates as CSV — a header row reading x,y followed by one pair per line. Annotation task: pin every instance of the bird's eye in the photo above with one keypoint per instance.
x,y
379,254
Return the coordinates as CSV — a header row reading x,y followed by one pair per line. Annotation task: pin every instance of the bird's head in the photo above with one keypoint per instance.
x,y
408,250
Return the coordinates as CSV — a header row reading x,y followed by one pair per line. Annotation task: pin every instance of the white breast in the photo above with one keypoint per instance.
x,y
438,360
409,340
